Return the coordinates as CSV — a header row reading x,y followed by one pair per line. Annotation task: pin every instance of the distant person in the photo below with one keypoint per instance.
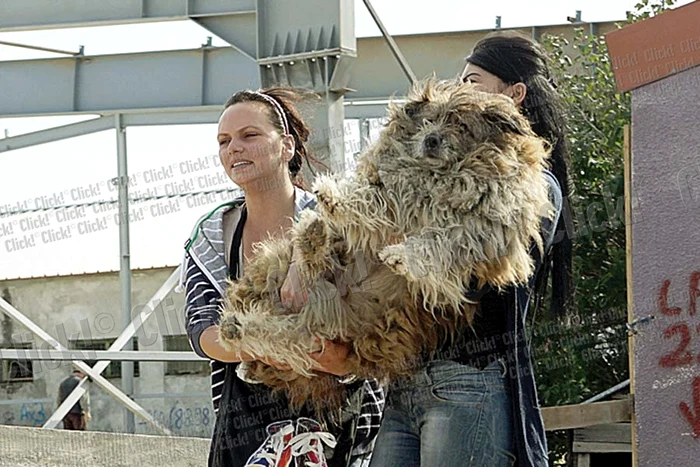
x,y
78,416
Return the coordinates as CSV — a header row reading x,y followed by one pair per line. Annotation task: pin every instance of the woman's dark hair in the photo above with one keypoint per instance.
x,y
517,59
296,127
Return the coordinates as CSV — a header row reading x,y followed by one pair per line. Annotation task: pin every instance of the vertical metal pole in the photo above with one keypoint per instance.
x,y
125,263
364,133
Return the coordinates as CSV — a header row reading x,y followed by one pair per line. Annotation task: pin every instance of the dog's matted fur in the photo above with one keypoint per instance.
x,y
451,195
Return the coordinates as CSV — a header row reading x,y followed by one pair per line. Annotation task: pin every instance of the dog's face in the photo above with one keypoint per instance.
x,y
448,126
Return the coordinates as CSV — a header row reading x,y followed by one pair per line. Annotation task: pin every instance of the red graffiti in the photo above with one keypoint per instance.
x,y
693,418
680,356
663,301
694,292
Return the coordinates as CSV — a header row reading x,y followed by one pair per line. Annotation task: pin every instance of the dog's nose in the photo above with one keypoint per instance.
x,y
432,143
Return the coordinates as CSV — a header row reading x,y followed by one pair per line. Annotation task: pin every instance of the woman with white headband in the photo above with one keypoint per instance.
x,y
262,148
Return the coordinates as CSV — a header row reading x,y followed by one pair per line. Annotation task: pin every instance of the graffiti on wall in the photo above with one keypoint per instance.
x,y
683,338
179,418
26,414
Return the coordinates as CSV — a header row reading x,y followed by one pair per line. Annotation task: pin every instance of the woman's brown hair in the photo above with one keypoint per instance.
x,y
290,122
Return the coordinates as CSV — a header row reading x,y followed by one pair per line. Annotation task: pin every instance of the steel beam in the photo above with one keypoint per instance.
x,y
110,355
238,30
41,49
369,108
15,314
124,262
392,43
126,336
290,27
186,116
22,15
143,82
311,44
56,134
364,134
124,82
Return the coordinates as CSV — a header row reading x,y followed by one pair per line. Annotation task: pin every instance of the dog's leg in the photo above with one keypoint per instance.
x,y
437,265
355,208
312,245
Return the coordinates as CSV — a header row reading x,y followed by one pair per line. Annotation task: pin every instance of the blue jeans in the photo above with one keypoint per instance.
x,y
448,415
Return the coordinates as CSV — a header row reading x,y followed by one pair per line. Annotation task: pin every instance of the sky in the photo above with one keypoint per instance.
x,y
160,159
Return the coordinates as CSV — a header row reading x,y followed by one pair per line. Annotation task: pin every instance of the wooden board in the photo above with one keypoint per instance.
x,y
627,154
655,48
615,437
567,417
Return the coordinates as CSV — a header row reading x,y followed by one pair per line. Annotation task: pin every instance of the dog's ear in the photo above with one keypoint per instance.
x,y
507,121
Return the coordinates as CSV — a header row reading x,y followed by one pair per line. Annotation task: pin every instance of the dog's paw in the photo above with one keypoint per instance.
x,y
230,327
314,238
394,256
328,197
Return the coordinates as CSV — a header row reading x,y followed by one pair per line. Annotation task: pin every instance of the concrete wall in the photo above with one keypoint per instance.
x,y
443,54
87,307
666,268
29,447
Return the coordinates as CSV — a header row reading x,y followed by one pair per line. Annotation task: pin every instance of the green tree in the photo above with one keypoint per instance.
x,y
585,354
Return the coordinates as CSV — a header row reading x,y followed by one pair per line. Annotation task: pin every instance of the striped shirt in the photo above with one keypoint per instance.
x,y
204,276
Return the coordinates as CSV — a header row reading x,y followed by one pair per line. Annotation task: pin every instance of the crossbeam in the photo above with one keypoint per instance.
x,y
21,15
98,379
102,355
567,417
118,344
125,83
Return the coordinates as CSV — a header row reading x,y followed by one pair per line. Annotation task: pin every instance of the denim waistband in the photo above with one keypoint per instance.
x,y
434,371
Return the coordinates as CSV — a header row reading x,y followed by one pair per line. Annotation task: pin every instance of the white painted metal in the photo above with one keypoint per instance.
x,y
118,344
112,390
111,355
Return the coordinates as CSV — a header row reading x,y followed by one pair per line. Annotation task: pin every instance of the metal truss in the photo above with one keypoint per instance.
x,y
111,355
94,373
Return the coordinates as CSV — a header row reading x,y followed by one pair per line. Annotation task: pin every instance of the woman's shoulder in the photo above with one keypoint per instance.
x,y
549,225
555,193
303,200
219,211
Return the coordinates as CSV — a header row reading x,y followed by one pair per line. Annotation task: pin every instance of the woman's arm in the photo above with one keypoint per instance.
x,y
202,302
211,348
202,312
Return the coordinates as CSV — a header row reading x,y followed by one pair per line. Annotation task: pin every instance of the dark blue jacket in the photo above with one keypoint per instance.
x,y
531,441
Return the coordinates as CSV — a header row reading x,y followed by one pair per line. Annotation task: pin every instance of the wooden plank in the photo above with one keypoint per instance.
x,y
601,447
627,154
567,417
583,460
616,433
657,47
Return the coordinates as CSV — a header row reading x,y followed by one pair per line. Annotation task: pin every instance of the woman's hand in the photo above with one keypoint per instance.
x,y
274,364
294,294
332,358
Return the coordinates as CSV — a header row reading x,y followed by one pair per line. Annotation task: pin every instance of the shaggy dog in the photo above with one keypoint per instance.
x,y
451,196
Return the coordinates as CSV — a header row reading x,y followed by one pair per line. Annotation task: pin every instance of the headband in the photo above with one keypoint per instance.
x,y
278,110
